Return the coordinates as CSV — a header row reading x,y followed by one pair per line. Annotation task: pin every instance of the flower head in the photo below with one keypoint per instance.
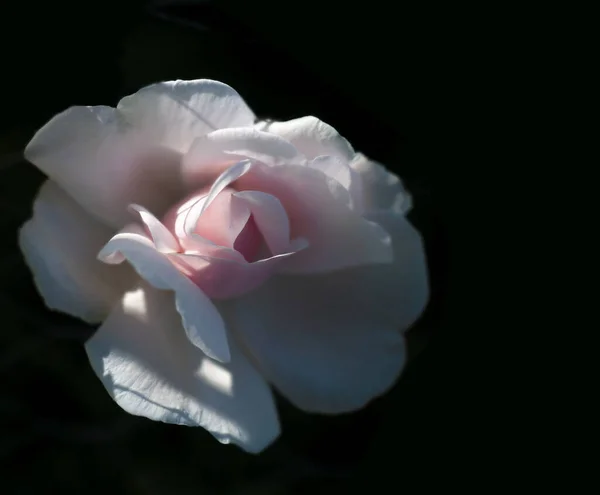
x,y
221,255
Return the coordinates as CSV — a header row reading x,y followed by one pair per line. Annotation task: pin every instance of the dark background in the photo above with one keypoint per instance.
x,y
387,77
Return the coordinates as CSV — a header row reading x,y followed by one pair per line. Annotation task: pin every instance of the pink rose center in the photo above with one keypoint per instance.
x,y
218,223
221,245
249,241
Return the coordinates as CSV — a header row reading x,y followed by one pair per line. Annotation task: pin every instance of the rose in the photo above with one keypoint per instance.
x,y
261,253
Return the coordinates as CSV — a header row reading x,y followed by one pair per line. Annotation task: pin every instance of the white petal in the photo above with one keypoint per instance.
x,y
317,207
151,370
211,154
339,170
60,243
202,322
311,136
382,190
331,343
163,239
104,167
174,113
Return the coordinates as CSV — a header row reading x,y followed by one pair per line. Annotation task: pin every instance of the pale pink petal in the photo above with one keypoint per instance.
x,y
213,153
339,170
331,343
270,217
148,367
229,225
176,220
174,113
201,320
311,136
221,278
104,167
60,243
382,190
183,219
230,175
162,238
222,222
317,207
197,209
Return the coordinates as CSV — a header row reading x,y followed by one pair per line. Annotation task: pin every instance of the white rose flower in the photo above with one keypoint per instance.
x,y
262,253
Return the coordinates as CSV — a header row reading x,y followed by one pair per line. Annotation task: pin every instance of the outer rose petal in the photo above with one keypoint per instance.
x,y
311,136
331,343
175,113
340,171
213,153
89,154
60,243
151,370
382,190
201,320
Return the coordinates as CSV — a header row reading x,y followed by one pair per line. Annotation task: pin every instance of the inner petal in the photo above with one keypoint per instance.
x,y
220,223
227,223
249,241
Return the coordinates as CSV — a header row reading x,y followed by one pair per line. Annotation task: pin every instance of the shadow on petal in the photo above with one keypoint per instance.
x,y
150,369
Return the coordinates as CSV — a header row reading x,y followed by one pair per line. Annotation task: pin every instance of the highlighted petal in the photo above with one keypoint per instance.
x,y
174,113
211,154
163,239
202,322
230,175
103,165
311,136
151,370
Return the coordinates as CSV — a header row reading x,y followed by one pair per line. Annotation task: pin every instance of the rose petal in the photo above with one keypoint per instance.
x,y
221,278
311,136
103,167
317,207
202,322
183,219
197,209
213,153
151,370
382,190
162,238
59,244
222,222
175,113
270,217
332,343
339,170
